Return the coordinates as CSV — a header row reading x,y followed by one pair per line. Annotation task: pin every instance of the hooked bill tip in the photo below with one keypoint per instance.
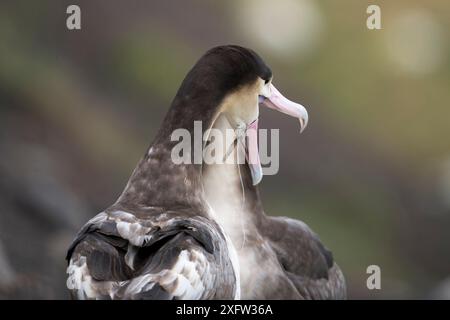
x,y
302,125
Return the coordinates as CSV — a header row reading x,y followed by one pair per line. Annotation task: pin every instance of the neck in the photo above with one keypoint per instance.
x,y
158,182
226,188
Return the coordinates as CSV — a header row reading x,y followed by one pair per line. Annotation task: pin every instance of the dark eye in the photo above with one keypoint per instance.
x,y
266,81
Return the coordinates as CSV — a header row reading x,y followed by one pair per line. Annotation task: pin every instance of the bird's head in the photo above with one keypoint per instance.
x,y
233,81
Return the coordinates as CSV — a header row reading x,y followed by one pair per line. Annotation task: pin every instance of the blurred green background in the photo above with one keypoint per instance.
x,y
371,174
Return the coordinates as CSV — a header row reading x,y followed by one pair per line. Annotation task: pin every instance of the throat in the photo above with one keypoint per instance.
x,y
227,199
229,192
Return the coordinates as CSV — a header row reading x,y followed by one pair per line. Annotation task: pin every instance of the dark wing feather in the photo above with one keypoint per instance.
x,y
117,256
308,264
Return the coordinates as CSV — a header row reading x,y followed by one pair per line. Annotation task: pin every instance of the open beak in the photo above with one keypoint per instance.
x,y
274,100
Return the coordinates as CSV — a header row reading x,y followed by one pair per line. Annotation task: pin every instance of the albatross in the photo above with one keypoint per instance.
x,y
199,230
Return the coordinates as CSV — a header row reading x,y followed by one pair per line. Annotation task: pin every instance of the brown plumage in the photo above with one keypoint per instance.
x,y
197,231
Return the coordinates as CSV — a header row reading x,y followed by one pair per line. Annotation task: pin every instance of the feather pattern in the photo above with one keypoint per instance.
x,y
118,256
